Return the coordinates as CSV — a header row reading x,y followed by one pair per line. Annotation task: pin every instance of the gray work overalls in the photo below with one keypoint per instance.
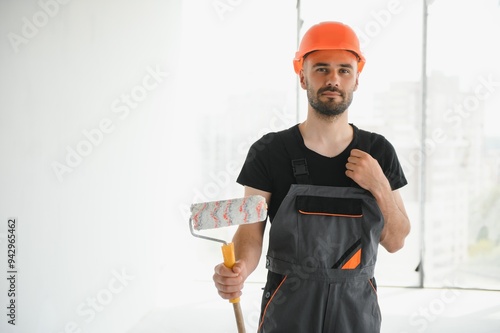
x,y
321,260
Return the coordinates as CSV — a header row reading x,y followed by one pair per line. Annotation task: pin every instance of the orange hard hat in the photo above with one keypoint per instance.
x,y
328,36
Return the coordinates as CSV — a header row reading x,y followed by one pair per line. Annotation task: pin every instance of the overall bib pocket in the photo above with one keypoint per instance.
x,y
330,231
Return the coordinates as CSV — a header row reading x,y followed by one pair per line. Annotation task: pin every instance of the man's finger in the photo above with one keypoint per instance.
x,y
352,159
224,271
358,153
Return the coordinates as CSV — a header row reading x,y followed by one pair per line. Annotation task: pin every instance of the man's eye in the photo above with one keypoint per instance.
x,y
345,71
322,70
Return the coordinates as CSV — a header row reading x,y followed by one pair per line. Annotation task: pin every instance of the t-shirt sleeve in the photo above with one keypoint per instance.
x,y
392,168
255,171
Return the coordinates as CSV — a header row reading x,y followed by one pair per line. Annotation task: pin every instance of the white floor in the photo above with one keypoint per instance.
x,y
404,310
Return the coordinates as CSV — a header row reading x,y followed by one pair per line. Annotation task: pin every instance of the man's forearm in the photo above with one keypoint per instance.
x,y
248,245
396,222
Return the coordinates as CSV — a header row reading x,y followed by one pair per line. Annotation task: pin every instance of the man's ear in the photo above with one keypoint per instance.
x,y
357,82
302,79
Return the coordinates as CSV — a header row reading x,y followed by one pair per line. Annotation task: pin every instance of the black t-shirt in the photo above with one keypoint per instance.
x,y
268,164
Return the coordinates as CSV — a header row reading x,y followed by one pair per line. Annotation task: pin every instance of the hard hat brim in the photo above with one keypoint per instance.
x,y
298,61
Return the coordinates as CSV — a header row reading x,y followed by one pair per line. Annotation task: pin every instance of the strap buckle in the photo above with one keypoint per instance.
x,y
300,171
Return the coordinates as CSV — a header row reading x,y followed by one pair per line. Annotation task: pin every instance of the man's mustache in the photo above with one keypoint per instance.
x,y
332,89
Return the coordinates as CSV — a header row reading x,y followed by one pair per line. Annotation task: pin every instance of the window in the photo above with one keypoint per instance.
x,y
449,146
462,206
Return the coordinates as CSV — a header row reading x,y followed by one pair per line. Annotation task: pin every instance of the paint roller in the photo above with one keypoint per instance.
x,y
225,213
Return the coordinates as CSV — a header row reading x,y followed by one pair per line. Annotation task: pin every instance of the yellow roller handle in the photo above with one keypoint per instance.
x,y
229,261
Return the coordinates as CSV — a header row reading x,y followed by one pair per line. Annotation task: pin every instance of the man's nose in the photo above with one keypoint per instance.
x,y
332,79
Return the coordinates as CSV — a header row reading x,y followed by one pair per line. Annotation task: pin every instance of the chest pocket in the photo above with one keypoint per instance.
x,y
330,231
325,231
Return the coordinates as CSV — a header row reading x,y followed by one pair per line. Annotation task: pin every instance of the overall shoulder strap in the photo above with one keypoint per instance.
x,y
293,147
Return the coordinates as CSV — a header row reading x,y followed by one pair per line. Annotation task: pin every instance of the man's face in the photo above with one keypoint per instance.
x,y
330,78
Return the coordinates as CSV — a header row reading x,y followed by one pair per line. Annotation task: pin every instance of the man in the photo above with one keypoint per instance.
x,y
332,192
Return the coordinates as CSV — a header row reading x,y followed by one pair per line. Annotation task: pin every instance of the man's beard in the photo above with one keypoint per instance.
x,y
329,109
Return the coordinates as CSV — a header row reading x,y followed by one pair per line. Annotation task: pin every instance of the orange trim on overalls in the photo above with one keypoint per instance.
x,y
354,261
269,302
329,214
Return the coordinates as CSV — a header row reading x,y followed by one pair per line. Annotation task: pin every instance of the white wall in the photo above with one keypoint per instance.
x,y
66,68
103,109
